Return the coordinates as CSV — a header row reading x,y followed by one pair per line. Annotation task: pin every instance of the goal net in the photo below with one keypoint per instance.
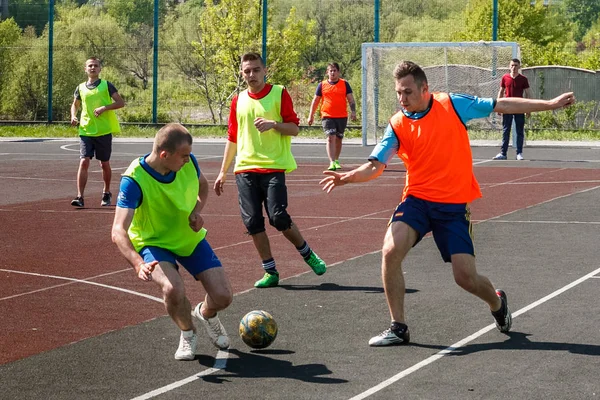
x,y
458,67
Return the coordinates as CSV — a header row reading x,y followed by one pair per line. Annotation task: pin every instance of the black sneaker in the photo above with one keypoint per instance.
x,y
106,199
77,201
503,316
394,335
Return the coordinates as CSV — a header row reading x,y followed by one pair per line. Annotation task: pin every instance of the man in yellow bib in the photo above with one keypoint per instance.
x,y
98,99
158,226
262,122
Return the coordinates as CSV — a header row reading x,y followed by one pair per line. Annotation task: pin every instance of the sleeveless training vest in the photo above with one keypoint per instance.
x,y
161,220
90,125
437,154
269,149
334,99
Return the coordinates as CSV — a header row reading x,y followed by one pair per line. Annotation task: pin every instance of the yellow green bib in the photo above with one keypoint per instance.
x,y
269,149
161,220
89,124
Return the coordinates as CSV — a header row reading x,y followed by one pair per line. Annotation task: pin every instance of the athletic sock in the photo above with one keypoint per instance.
x,y
269,266
398,327
304,250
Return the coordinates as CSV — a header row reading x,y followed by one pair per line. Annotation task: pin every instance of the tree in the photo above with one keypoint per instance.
x,y
584,13
531,24
228,29
10,34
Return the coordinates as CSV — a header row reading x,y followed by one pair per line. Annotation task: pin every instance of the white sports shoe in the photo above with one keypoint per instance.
x,y
214,328
520,157
187,347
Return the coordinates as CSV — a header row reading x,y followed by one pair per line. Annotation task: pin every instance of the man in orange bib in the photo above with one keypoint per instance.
x,y
334,92
429,134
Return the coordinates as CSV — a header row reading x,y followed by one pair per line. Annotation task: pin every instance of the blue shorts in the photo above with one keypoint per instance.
x,y
449,223
202,258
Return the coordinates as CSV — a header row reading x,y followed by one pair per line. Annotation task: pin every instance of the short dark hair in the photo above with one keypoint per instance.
x,y
170,137
516,60
94,59
252,56
406,68
334,65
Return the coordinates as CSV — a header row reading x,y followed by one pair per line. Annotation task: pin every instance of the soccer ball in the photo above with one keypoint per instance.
x,y
258,329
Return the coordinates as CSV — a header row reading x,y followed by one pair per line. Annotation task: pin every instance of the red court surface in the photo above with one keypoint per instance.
x,y
64,285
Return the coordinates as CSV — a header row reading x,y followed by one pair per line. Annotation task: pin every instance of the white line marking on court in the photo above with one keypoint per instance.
x,y
66,147
73,280
468,339
221,357
548,222
220,364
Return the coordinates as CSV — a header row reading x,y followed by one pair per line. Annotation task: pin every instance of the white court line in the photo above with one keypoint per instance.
x,y
220,364
73,280
468,339
221,357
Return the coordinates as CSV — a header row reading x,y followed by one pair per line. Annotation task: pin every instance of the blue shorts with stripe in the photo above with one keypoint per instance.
x,y
202,258
449,223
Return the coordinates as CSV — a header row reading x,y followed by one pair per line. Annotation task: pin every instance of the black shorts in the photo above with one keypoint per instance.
x,y
335,126
100,146
257,190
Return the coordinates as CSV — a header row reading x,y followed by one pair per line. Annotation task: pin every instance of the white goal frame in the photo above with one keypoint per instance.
x,y
495,71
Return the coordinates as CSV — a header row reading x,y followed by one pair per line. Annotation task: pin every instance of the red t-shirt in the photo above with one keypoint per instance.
x,y
514,87
287,110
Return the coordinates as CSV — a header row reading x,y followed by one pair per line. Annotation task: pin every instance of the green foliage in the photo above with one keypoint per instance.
x,y
10,34
29,13
581,115
584,13
518,21
286,44
132,13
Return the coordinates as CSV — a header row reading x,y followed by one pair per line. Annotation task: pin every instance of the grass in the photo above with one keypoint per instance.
x,y
62,130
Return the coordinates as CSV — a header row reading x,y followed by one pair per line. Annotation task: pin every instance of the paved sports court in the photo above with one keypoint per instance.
x,y
78,324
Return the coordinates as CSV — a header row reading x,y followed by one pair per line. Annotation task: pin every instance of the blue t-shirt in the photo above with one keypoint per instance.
x,y
130,193
467,107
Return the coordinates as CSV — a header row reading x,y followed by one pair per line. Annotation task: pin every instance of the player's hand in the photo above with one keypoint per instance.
x,y
564,100
220,183
353,115
264,124
310,120
74,121
99,111
144,270
333,180
196,221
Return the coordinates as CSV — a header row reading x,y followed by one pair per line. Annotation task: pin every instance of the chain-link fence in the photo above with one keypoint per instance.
x,y
44,45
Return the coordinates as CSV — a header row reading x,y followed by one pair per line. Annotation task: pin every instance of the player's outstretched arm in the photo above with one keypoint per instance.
x,y
518,105
366,172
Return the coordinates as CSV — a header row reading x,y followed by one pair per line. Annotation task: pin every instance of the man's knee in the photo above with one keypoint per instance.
x,y
254,225
281,222
222,298
174,295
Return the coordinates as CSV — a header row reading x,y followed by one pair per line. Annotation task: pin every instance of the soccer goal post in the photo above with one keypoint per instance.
x,y
458,67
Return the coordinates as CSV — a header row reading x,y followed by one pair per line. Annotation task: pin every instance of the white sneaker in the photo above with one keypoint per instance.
x,y
214,328
389,337
187,346
520,157
499,156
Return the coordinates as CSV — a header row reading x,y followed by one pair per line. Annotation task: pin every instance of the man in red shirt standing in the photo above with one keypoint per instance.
x,y
513,84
